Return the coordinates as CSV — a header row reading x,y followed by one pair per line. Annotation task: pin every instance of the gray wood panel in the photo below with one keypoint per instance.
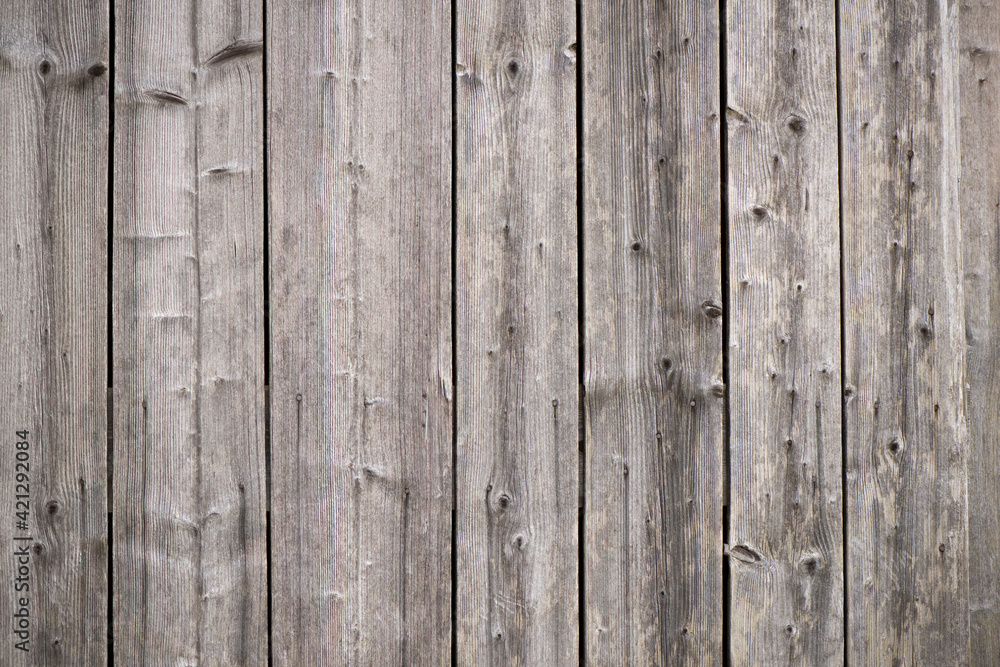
x,y
517,334
905,335
53,324
786,535
189,494
979,70
654,379
359,103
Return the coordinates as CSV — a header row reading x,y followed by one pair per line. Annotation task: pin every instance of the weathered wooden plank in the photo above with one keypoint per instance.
x,y
979,70
517,328
653,333
189,525
359,138
904,335
53,324
786,532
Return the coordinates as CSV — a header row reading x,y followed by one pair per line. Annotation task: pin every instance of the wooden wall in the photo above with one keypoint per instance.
x,y
500,333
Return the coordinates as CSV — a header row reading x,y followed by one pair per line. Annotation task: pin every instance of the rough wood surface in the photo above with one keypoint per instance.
x,y
979,68
189,523
786,534
905,334
359,102
53,324
653,324
517,334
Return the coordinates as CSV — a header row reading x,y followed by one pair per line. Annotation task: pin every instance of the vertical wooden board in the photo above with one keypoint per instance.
x,y
904,328
653,334
189,543
53,321
979,70
359,136
786,530
517,329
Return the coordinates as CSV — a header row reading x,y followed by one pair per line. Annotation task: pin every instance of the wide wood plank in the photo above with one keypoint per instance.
x,y
786,534
359,103
189,496
979,70
517,334
53,324
905,335
654,384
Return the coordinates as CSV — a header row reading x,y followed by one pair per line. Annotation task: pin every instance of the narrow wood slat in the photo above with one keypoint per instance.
x,y
786,531
905,335
359,125
189,525
517,334
53,324
654,384
979,70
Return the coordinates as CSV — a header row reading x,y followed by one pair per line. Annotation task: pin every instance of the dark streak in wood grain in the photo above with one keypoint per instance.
x,y
166,96
238,49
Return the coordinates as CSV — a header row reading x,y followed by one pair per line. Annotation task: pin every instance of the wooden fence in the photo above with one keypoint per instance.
x,y
500,333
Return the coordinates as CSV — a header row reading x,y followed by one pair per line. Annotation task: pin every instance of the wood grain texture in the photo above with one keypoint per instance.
x,y
361,388
517,334
979,77
905,332
653,324
189,487
53,323
786,534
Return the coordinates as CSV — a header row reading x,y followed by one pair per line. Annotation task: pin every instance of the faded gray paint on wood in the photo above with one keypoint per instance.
x,y
979,68
53,322
361,387
905,335
654,385
786,534
517,334
189,502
